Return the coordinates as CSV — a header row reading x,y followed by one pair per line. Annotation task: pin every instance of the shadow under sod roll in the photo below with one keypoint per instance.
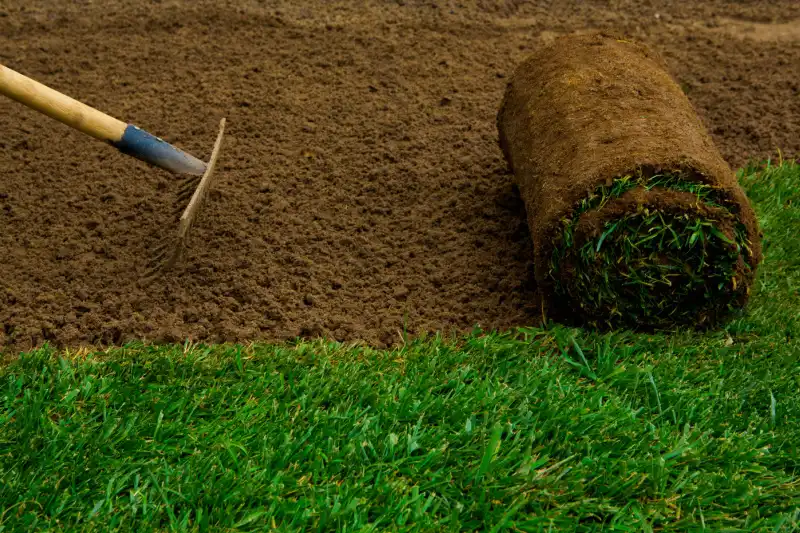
x,y
636,219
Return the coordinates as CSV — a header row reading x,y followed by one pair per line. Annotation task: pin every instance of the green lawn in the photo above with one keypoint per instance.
x,y
540,430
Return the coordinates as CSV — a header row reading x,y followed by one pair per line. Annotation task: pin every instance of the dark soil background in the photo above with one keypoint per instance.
x,y
361,189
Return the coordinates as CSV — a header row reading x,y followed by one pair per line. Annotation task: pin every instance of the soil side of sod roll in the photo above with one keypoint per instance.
x,y
636,218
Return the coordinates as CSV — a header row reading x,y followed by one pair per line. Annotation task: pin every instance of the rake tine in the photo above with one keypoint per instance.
x,y
188,185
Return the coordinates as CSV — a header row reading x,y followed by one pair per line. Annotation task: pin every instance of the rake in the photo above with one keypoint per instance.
x,y
196,176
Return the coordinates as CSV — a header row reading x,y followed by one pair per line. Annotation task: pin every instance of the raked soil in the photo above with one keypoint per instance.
x,y
361,194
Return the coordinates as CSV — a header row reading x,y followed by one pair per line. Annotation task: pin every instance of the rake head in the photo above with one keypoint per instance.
x,y
194,189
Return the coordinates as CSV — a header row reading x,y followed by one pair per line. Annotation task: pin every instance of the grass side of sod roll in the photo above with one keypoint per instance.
x,y
553,429
642,262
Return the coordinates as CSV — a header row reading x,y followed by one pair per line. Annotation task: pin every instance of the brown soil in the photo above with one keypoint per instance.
x,y
361,186
586,109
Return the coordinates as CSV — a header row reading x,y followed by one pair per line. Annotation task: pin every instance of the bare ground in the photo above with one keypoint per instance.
x,y
361,189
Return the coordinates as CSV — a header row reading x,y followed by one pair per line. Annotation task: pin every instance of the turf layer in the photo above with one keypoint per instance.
x,y
550,429
651,267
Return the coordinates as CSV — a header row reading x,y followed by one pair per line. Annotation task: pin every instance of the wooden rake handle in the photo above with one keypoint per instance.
x,y
126,138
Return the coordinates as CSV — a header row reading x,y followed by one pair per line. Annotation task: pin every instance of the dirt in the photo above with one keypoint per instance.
x,y
584,110
362,192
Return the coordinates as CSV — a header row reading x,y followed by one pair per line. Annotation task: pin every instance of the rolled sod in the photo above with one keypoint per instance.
x,y
636,219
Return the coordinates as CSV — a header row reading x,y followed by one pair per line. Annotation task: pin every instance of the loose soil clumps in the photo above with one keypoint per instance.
x,y
636,218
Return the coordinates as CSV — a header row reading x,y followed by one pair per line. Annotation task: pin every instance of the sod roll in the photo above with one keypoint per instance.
x,y
636,219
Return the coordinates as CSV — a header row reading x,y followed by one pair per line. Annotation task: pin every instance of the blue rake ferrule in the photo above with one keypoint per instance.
x,y
148,148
